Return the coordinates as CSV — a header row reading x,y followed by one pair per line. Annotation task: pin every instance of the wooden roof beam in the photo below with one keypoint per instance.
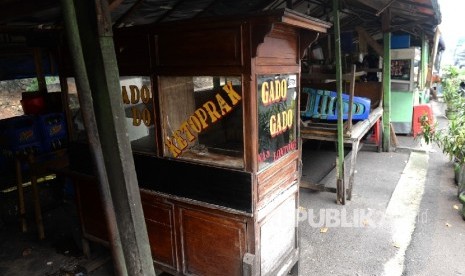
x,y
24,8
370,41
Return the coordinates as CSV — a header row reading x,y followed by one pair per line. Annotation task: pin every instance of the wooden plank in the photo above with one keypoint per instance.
x,y
316,187
278,236
393,137
362,127
330,77
351,99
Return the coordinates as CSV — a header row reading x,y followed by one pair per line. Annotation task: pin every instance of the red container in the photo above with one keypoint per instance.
x,y
418,112
33,103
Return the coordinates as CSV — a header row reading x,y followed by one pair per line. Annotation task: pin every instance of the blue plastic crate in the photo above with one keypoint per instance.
x,y
19,135
322,104
52,125
53,131
53,144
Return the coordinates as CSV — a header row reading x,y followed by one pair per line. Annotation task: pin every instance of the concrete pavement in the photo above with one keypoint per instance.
x,y
403,219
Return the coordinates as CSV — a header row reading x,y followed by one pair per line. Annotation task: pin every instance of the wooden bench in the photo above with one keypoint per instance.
x,y
353,134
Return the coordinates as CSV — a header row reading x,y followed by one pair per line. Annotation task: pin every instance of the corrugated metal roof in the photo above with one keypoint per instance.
x,y
412,16
25,23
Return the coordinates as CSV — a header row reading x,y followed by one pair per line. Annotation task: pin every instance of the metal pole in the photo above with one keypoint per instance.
x,y
341,198
424,61
86,104
387,92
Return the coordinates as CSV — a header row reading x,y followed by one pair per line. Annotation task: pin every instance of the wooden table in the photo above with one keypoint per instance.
x,y
353,136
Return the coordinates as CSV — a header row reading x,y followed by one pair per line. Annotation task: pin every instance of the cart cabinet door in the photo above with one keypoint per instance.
x,y
211,244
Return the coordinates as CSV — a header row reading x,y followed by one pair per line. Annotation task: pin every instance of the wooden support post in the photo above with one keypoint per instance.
x,y
36,197
341,195
89,31
433,56
351,97
424,61
249,267
39,71
85,102
386,82
393,138
353,162
19,185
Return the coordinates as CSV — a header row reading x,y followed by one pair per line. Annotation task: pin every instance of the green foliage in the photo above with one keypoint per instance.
x,y
451,78
34,85
450,139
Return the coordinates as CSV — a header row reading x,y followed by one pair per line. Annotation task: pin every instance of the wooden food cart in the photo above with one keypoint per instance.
x,y
212,114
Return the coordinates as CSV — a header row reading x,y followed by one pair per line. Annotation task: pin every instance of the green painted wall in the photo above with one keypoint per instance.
x,y
402,111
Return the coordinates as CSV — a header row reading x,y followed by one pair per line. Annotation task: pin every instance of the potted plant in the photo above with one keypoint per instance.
x,y
450,85
450,139
462,200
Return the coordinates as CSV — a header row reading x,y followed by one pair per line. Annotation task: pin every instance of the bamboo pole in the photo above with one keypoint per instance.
x,y
387,93
341,193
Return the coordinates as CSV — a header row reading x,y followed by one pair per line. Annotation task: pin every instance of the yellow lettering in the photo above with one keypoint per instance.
x,y
171,147
281,122
135,116
145,94
284,121
146,117
135,95
224,107
182,144
283,89
278,124
186,130
265,93
202,116
211,110
273,125
124,94
195,123
272,97
290,118
233,95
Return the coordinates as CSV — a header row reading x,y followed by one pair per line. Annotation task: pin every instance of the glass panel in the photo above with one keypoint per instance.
x,y
202,119
277,117
138,107
137,99
400,69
